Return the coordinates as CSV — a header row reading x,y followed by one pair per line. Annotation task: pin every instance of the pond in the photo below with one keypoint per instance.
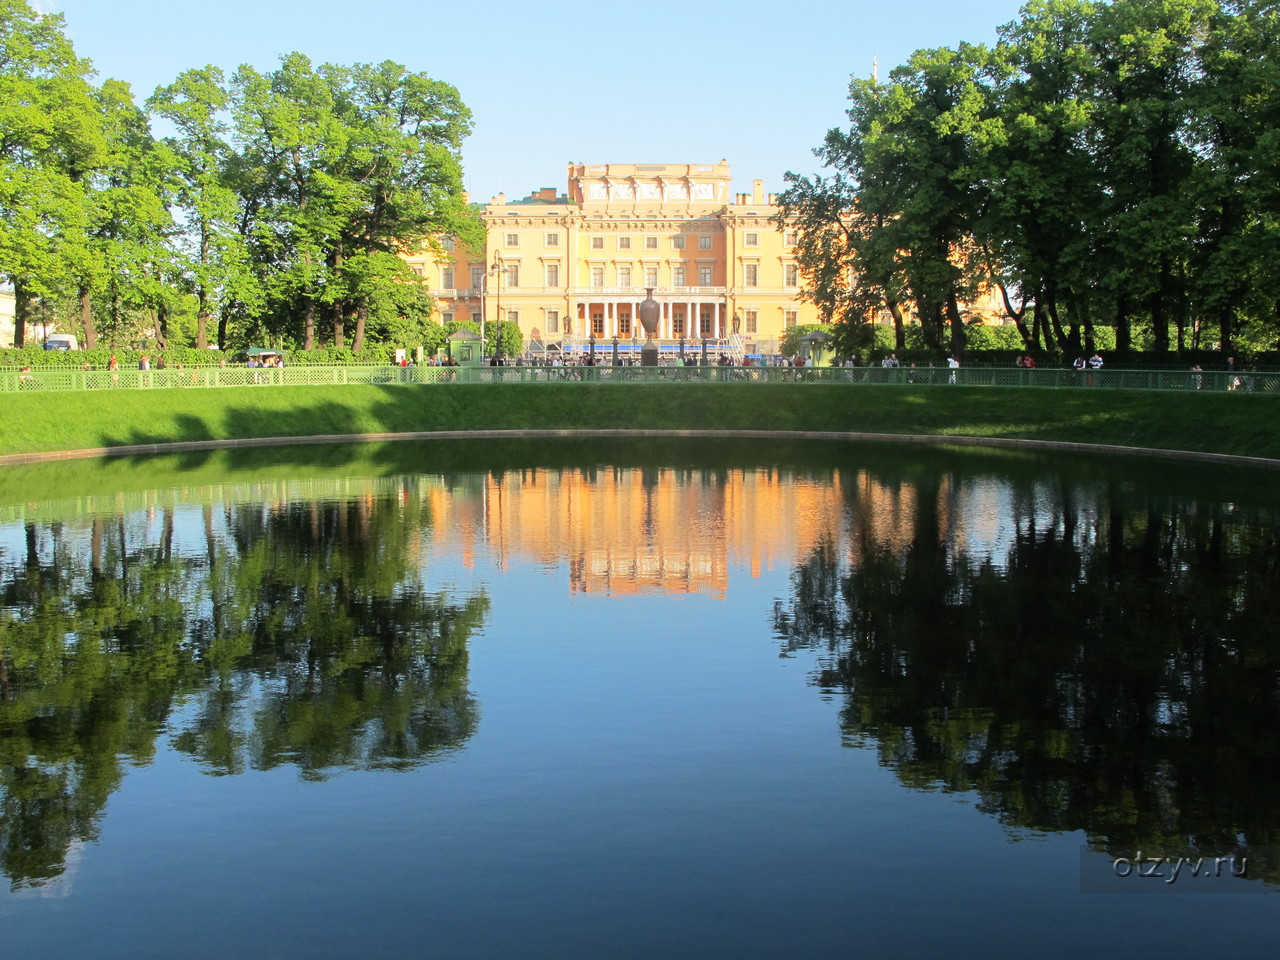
x,y
569,699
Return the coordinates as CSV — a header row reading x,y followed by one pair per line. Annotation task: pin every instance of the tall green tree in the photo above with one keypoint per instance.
x,y
216,259
1045,188
931,146
50,135
343,169
1106,164
896,221
126,259
1145,51
289,135
397,185
1235,117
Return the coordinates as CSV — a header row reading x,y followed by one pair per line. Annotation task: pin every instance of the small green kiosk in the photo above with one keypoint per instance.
x,y
466,347
813,347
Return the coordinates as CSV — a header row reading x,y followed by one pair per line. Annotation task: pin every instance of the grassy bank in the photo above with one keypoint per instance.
x,y
1232,423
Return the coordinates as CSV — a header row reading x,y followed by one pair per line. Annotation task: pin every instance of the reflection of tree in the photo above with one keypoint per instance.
x,y
304,636
1113,673
90,659
354,664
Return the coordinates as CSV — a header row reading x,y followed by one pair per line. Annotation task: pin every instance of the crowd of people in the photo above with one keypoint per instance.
x,y
1085,367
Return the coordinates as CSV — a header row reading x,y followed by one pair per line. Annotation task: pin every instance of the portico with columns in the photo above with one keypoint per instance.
x,y
690,317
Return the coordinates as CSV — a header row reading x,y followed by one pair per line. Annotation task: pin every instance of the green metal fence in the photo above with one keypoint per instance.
x,y
57,378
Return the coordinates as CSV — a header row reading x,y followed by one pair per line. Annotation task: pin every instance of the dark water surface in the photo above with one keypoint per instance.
x,y
621,700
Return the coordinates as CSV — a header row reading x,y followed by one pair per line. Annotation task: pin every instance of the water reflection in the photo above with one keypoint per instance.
x,y
254,634
1079,652
1090,657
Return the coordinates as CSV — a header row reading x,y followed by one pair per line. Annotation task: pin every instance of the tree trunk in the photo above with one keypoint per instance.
x,y
1059,335
1080,308
1159,322
21,312
1124,336
899,331
339,326
202,291
309,324
958,333
162,327
362,318
1017,316
86,319
1226,326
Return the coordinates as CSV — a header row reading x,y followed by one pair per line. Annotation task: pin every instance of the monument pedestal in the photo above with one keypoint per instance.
x,y
649,355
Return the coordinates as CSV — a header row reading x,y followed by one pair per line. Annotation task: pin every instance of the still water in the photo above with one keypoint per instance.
x,y
569,700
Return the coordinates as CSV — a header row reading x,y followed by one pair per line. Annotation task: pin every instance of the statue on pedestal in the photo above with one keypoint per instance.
x,y
650,311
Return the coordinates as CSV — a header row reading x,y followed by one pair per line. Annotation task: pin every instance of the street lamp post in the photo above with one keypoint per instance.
x,y
615,351
496,272
704,351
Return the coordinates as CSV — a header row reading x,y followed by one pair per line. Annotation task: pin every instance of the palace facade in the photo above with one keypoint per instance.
x,y
571,269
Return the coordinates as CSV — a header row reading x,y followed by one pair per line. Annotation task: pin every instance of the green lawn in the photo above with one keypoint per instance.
x,y
1233,423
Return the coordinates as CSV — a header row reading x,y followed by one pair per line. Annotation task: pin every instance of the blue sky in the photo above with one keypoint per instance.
x,y
755,84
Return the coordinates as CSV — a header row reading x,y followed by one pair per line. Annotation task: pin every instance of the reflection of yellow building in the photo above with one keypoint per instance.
x,y
610,530
570,267
623,531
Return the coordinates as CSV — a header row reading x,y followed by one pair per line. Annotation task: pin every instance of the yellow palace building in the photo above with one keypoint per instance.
x,y
570,269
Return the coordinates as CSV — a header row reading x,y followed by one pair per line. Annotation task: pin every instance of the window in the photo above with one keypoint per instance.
x,y
705,325
513,275
597,324
788,318
553,239
677,275
792,275
513,239
624,276
553,274
446,243
477,278
751,321
704,243
476,316
417,269
624,324
677,325
446,318
553,321
597,243
446,278
597,277
513,316
677,243
751,274
624,243
651,243
650,276
789,238
752,240
704,276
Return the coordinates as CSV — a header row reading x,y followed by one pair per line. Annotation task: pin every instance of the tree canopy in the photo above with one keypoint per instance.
x,y
1102,165
276,208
